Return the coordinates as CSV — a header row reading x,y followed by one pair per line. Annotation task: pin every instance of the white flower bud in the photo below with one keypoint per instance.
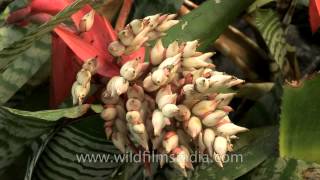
x,y
152,20
149,85
170,110
153,35
79,92
109,113
136,26
83,77
160,76
158,122
170,62
202,84
220,147
166,25
194,126
198,61
173,49
135,91
190,48
220,79
90,65
119,141
204,107
126,37
86,21
170,141
128,70
208,138
213,118
229,129
200,143
139,128
224,99
184,113
167,99
132,116
133,104
116,48
234,82
157,53
117,86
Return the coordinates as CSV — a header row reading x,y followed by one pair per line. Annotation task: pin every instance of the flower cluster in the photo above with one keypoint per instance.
x,y
171,104
139,31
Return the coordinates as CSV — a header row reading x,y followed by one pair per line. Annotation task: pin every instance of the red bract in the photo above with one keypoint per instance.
x,y
314,15
70,44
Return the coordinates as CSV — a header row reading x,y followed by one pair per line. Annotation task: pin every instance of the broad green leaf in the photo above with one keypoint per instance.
x,y
146,7
299,121
61,157
8,54
207,22
270,27
9,34
284,168
252,155
18,129
23,68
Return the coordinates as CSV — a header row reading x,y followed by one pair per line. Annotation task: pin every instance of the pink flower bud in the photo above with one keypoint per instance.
x,y
157,53
86,21
116,48
109,113
198,61
173,49
170,141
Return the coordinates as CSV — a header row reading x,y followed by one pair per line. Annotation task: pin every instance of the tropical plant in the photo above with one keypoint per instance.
x,y
164,89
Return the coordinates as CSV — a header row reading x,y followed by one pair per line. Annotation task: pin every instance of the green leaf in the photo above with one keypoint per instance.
x,y
18,129
207,21
61,157
283,168
8,54
23,68
269,25
146,7
299,125
252,155
257,4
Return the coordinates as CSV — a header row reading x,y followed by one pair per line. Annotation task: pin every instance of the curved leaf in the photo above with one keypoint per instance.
x,y
61,159
207,22
23,68
18,129
299,125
